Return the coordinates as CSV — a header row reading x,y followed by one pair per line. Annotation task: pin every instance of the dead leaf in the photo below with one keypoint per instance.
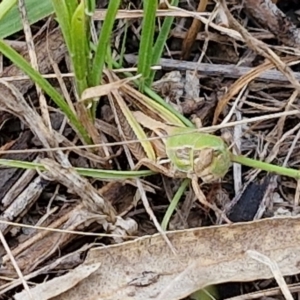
x,y
50,289
147,269
105,89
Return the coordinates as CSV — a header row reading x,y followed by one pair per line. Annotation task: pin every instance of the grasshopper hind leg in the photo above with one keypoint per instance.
x,y
202,199
155,167
159,167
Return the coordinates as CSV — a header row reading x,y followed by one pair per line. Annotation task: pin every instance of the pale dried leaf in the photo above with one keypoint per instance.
x,y
147,269
55,287
105,89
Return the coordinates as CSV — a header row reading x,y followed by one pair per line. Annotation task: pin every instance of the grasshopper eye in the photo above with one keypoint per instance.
x,y
218,153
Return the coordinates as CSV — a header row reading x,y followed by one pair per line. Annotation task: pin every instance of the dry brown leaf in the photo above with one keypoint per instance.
x,y
147,269
58,285
105,89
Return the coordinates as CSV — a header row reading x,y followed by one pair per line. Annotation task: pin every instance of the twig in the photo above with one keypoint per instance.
x,y
231,71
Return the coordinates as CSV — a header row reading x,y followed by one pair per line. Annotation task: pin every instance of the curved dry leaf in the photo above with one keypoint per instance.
x,y
147,269
50,289
105,89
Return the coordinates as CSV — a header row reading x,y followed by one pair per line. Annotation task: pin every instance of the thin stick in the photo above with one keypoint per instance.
x,y
14,263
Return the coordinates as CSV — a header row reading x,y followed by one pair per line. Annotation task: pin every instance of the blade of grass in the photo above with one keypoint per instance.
x,y
158,109
172,110
123,46
146,44
177,117
90,7
161,42
37,10
100,174
105,36
174,203
80,47
71,7
20,62
6,6
64,16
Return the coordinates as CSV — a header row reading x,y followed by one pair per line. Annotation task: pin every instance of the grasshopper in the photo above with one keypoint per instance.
x,y
190,154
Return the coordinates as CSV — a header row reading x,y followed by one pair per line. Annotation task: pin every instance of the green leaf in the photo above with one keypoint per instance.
x,y
100,174
105,36
147,36
63,13
20,62
37,10
80,47
71,6
165,110
171,111
161,42
90,6
289,172
174,203
6,6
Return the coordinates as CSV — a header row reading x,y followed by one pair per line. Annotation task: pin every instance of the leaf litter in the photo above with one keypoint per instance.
x,y
205,256
146,268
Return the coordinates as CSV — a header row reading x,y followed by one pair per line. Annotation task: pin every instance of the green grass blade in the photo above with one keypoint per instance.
x,y
161,110
64,16
123,46
146,44
90,6
71,7
100,174
37,10
20,62
161,42
168,111
174,203
289,172
6,6
112,174
80,47
105,36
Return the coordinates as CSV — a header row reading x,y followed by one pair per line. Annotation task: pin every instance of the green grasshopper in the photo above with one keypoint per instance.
x,y
190,154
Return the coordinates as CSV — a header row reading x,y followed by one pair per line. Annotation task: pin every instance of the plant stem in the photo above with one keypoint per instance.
x,y
265,166
174,203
